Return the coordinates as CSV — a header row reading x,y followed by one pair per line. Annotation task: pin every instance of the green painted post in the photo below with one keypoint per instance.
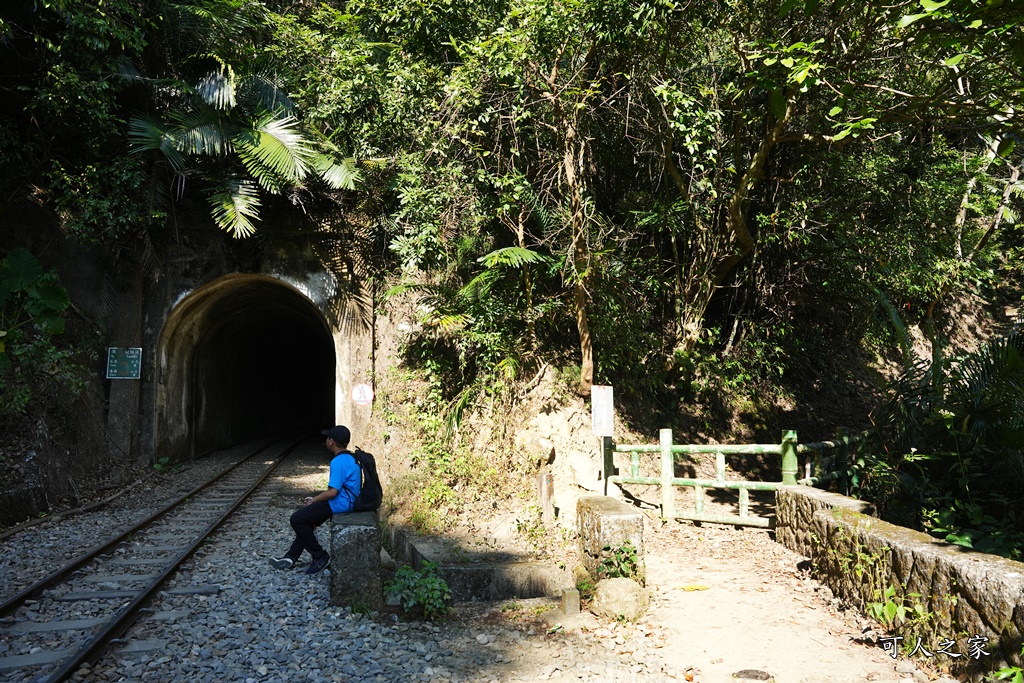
x,y
668,471
843,459
790,464
608,451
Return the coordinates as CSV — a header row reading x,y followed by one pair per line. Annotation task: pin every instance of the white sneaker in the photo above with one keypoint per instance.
x,y
282,562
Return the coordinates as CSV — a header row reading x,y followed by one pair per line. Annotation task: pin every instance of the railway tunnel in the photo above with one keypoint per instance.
x,y
241,357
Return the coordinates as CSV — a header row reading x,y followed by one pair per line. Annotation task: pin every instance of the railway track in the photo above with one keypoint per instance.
x,y
98,596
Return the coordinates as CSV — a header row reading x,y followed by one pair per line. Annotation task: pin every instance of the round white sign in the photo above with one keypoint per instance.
x,y
362,394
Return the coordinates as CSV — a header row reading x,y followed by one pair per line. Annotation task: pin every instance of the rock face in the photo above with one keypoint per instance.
x,y
620,599
355,560
974,599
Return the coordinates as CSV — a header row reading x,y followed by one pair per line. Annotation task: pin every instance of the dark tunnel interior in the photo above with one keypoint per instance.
x,y
264,363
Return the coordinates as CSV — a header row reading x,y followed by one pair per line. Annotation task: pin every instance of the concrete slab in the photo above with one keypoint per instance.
x,y
96,595
42,658
143,645
49,626
120,578
132,562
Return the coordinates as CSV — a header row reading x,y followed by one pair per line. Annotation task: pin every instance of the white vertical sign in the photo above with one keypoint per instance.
x,y
602,410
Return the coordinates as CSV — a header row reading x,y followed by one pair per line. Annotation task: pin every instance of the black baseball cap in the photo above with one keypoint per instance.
x,y
339,433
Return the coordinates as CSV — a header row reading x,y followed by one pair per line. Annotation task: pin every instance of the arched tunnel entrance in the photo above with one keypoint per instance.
x,y
241,357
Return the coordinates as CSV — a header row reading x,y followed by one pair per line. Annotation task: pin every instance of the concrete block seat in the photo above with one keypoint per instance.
x,y
606,522
355,560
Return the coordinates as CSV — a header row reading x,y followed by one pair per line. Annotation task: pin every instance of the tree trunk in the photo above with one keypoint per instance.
x,y
715,253
572,166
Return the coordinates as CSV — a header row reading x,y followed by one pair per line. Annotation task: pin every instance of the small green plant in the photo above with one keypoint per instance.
x,y
162,465
891,610
420,593
532,528
1014,674
361,607
586,587
620,562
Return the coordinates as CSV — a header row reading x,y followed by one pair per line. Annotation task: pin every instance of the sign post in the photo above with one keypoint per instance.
x,y
602,409
124,363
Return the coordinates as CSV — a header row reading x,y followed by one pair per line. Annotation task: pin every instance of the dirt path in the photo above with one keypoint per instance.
x,y
732,600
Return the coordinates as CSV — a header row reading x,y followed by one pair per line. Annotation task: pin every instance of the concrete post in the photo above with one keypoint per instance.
x,y
668,511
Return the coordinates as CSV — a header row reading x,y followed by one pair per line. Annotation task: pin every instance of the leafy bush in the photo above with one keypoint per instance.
x,y
32,304
951,453
420,593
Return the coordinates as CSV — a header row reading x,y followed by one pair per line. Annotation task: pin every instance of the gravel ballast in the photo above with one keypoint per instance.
x,y
229,616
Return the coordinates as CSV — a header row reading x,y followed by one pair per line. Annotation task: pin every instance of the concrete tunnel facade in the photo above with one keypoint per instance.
x,y
245,356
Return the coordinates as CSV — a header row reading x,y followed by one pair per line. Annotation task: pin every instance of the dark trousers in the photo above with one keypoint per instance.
x,y
305,520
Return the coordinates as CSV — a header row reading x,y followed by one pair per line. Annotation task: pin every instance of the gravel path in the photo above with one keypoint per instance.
x,y
228,616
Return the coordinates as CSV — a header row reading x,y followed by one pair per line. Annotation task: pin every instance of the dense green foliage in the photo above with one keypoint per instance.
x,y
952,449
32,303
683,200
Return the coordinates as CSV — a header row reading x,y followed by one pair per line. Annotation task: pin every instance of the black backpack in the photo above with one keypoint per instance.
x,y
371,493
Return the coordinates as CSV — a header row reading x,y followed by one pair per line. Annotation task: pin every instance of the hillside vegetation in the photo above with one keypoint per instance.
x,y
744,216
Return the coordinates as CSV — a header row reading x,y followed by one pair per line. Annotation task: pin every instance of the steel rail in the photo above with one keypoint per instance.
x,y
56,577
95,646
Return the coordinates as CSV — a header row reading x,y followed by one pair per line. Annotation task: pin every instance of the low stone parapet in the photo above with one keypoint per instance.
x,y
950,593
605,522
473,576
355,561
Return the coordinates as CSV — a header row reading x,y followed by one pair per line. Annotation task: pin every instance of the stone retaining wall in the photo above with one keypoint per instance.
x,y
966,595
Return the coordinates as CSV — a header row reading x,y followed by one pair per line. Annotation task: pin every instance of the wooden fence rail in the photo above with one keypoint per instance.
x,y
820,470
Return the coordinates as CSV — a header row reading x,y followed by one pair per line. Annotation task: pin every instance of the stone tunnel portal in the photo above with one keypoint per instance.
x,y
241,357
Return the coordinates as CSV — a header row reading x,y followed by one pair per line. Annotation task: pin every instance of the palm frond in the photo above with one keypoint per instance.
x,y
200,132
898,326
275,150
447,322
479,287
404,287
507,369
268,94
235,205
217,88
340,175
456,409
149,135
513,257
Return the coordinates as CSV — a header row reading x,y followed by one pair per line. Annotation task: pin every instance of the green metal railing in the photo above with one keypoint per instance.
x,y
789,449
